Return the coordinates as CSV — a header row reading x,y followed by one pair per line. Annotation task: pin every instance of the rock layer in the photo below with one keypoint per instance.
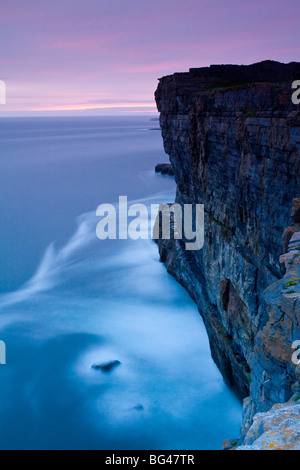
x,y
232,134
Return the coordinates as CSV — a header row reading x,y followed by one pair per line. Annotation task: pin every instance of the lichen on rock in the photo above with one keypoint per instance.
x,y
277,429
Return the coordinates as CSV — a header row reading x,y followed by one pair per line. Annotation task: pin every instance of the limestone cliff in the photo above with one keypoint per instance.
x,y
277,429
233,137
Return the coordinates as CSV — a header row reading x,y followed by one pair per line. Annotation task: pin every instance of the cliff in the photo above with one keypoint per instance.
x,y
233,137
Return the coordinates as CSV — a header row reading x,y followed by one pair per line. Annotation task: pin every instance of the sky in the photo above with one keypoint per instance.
x,y
103,57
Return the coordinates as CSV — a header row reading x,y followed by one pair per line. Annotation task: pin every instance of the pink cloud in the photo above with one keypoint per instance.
x,y
56,53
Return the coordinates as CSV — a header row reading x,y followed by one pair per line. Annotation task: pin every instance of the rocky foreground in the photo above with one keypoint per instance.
x,y
233,137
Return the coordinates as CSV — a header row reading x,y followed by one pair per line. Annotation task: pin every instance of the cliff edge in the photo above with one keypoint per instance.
x,y
233,137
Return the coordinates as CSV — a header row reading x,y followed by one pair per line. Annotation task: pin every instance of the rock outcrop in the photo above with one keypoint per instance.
x,y
164,169
233,137
277,429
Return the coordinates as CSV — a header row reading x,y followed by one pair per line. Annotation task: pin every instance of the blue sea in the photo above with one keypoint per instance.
x,y
69,300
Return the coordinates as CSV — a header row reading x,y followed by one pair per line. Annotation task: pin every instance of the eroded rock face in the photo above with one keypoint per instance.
x,y
274,376
233,138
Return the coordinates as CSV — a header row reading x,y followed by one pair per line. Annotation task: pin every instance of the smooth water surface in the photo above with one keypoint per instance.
x,y
69,300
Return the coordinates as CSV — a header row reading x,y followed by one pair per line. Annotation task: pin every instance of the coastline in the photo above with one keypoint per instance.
x,y
235,148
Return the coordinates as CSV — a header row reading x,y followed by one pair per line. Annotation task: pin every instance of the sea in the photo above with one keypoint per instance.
x,y
69,300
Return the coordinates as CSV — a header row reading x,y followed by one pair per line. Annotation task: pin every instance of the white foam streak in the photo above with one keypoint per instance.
x,y
48,274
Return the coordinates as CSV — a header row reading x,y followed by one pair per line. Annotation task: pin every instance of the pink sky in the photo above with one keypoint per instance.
x,y
104,56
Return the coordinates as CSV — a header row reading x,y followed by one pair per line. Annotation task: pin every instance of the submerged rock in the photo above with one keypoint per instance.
x,y
106,366
138,408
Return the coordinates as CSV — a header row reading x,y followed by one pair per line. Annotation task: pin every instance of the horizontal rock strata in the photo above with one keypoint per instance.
x,y
232,135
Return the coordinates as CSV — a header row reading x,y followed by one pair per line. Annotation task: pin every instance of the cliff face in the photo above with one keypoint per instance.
x,y
233,137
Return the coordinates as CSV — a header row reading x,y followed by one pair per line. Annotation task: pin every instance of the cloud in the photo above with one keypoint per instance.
x,y
102,52
116,100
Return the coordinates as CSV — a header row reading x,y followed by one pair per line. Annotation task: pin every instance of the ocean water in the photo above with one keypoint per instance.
x,y
69,300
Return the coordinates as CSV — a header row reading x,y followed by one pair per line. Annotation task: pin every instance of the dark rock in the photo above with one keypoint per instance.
x,y
106,366
234,147
138,408
164,169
